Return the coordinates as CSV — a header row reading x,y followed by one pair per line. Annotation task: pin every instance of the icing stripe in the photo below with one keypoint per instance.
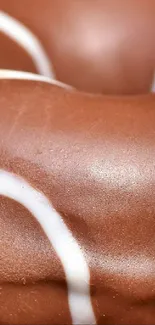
x,y
20,75
65,245
28,41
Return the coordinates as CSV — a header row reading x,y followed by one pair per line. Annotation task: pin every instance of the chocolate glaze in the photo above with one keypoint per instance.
x,y
93,158
14,56
97,46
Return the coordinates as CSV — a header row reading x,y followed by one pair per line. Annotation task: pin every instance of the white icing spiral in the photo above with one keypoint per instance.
x,y
19,33
21,75
67,248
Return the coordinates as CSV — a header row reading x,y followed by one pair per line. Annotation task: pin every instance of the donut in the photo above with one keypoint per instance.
x,y
77,205
94,46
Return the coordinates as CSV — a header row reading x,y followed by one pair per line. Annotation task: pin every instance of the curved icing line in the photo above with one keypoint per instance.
x,y
21,75
65,245
28,41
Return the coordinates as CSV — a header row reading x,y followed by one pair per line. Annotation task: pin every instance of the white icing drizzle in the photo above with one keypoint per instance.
x,y
28,41
68,250
21,75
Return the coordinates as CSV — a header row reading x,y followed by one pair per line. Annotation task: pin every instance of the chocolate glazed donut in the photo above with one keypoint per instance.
x,y
97,46
77,181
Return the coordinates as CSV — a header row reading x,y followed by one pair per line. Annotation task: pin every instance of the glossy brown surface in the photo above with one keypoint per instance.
x,y
93,157
13,56
97,46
